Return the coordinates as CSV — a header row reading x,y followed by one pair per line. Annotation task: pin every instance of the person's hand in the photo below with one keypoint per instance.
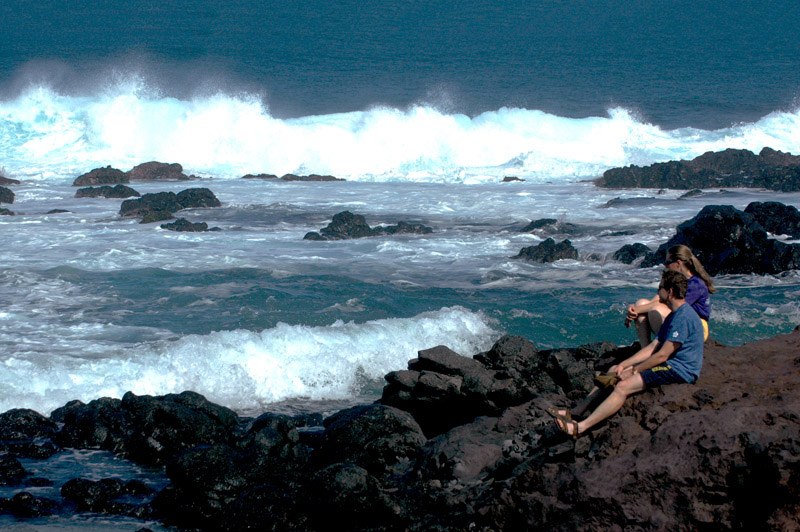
x,y
625,373
631,314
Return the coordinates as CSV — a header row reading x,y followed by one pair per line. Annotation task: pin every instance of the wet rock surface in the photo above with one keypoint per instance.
x,y
346,225
6,195
770,169
149,171
740,243
184,225
107,191
548,251
161,205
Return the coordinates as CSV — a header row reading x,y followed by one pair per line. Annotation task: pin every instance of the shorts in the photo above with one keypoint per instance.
x,y
705,329
659,375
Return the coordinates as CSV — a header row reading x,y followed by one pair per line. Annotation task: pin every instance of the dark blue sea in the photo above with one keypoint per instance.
x,y
423,108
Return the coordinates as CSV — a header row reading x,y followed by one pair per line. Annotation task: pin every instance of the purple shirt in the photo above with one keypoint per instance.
x,y
698,298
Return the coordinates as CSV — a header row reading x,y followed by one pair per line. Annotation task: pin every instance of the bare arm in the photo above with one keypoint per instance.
x,y
653,354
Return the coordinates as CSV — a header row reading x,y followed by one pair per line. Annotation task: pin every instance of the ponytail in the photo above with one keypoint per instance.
x,y
693,263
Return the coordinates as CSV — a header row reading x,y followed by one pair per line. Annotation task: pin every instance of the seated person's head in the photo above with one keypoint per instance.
x,y
674,283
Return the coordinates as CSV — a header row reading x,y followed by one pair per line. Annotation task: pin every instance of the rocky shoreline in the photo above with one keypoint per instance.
x,y
455,443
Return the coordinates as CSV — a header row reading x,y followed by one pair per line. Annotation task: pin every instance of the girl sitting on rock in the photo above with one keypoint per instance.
x,y
649,314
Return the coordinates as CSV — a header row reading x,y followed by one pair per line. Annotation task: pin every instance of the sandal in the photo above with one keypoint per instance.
x,y
564,426
555,413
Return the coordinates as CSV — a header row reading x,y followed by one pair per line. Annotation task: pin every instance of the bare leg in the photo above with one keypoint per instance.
x,y
650,322
613,402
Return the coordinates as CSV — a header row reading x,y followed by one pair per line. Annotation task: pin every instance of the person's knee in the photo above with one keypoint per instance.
x,y
642,302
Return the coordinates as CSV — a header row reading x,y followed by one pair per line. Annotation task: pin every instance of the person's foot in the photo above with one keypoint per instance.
x,y
569,427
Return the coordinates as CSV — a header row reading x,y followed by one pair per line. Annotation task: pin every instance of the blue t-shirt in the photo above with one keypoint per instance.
x,y
698,298
684,327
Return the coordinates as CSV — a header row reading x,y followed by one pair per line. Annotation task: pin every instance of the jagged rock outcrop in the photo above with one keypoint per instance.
x,y
5,181
777,218
769,169
106,191
548,251
347,225
6,195
740,244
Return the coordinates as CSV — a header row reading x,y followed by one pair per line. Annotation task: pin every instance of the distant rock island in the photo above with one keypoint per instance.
x,y
150,171
770,169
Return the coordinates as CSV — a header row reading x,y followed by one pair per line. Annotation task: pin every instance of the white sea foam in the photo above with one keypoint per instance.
x,y
49,135
246,370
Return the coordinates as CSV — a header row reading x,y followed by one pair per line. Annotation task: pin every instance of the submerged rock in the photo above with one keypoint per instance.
x,y
5,181
184,225
346,225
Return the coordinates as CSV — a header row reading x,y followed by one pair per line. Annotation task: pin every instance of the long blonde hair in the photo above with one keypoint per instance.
x,y
683,253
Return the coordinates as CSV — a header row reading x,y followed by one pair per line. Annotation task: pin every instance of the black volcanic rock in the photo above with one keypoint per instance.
x,y
169,202
739,244
156,171
194,198
777,218
346,225
770,169
6,212
156,216
311,177
548,251
628,253
106,191
102,176
159,201
260,176
11,471
5,181
102,496
550,225
24,424
375,437
184,225
6,195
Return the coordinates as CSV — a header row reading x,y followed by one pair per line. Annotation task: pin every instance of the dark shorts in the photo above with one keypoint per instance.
x,y
660,375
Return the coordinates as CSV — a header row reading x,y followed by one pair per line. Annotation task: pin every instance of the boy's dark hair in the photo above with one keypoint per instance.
x,y
674,282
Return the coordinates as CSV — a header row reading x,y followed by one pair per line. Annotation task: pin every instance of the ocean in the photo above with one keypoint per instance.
x,y
423,108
